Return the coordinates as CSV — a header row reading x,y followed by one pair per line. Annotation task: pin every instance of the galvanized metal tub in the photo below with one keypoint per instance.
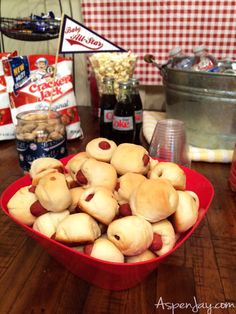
x,y
206,102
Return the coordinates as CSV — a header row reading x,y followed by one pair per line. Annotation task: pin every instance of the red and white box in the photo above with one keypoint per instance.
x,y
7,130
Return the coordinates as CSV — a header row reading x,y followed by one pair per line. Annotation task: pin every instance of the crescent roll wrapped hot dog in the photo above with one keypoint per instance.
x,y
53,193
171,172
104,249
97,173
131,234
101,149
126,184
47,223
154,200
187,211
99,203
164,237
75,195
145,256
130,158
77,228
20,203
75,163
43,166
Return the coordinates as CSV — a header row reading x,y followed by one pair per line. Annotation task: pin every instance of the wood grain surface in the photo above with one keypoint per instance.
x,y
201,272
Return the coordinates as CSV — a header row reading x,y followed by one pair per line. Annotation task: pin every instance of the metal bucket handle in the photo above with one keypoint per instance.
x,y
161,67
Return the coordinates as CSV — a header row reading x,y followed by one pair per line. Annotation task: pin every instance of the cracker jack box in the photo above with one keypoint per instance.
x,y
32,85
7,130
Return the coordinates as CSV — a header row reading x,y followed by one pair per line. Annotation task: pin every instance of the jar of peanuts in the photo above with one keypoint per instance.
x,y
39,133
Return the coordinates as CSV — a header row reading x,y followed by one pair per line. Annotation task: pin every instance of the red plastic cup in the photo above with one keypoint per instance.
x,y
232,175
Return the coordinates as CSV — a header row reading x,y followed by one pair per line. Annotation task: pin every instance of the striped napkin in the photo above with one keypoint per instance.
x,y
150,119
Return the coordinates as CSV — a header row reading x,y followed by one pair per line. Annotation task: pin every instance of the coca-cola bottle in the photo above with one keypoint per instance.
x,y
123,125
138,108
94,95
106,110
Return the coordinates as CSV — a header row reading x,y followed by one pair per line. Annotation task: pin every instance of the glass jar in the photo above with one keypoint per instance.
x,y
39,133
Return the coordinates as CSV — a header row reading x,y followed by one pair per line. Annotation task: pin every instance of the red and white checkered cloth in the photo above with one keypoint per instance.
x,y
154,27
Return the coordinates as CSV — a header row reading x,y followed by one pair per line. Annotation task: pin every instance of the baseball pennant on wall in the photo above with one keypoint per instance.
x,y
76,38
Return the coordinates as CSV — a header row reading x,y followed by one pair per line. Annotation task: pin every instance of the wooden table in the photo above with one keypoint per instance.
x,y
202,271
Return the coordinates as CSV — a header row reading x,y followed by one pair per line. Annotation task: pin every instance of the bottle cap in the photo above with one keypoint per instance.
x,y
174,51
108,79
134,81
198,49
124,84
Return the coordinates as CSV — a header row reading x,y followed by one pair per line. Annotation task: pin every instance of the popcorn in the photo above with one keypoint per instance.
x,y
118,65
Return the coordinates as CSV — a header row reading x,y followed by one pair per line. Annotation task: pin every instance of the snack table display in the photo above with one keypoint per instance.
x,y
201,272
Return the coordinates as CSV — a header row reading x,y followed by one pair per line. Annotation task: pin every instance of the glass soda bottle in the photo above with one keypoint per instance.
x,y
138,108
106,110
94,95
203,60
123,125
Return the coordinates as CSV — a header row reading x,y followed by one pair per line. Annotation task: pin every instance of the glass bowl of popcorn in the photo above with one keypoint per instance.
x,y
118,65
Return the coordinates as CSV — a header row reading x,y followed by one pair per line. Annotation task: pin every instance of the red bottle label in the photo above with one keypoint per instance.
x,y
138,116
108,115
123,123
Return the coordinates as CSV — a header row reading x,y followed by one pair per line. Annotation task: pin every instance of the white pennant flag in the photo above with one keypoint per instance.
x,y
76,38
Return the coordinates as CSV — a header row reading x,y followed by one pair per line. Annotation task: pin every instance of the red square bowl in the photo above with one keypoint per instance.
x,y
108,275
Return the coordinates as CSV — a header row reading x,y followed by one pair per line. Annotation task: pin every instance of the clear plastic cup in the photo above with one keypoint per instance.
x,y
169,142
